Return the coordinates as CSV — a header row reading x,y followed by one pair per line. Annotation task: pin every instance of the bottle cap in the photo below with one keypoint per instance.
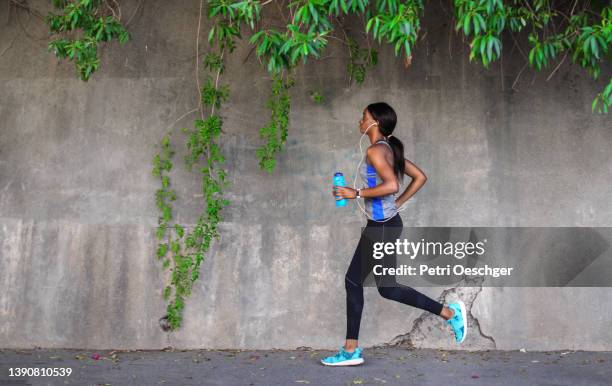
x,y
338,174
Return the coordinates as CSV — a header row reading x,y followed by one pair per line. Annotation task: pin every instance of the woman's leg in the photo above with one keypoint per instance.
x,y
353,283
359,268
389,288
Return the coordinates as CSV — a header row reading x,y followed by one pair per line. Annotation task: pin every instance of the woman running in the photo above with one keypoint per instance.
x,y
381,174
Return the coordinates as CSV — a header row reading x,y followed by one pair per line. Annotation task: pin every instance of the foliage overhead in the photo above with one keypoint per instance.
x,y
95,24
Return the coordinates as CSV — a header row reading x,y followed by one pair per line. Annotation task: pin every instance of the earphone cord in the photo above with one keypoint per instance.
x,y
355,183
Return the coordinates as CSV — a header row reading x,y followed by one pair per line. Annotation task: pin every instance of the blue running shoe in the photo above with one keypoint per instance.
x,y
343,358
459,321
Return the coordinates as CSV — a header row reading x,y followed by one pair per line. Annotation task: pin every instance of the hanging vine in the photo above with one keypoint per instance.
x,y
79,28
275,132
202,145
360,60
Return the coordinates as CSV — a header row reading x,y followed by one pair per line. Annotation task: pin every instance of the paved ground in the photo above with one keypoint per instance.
x,y
389,366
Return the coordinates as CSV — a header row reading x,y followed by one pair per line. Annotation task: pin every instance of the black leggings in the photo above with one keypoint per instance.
x,y
388,287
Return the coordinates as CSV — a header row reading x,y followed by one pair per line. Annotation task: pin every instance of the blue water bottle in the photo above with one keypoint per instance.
x,y
339,181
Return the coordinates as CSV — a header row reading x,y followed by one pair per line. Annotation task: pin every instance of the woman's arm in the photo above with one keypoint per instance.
x,y
418,180
376,155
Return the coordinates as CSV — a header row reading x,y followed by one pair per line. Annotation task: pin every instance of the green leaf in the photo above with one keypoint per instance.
x,y
585,45
407,48
314,13
466,25
540,56
294,55
483,45
497,47
594,47
344,6
333,7
483,25
369,24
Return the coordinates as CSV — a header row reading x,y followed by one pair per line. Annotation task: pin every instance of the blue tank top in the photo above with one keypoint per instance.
x,y
378,208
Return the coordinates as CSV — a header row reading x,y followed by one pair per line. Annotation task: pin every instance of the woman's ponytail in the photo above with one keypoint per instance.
x,y
398,157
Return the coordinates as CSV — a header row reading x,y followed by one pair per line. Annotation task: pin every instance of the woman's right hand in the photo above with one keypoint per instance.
x,y
345,192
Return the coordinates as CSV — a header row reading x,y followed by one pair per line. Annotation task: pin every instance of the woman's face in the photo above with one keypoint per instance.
x,y
365,121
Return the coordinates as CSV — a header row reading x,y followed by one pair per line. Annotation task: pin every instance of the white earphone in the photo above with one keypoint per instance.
x,y
355,180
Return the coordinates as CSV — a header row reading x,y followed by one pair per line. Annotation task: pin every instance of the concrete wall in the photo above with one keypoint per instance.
x,y
77,207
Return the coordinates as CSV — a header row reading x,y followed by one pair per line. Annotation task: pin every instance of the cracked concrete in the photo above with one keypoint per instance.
x,y
420,336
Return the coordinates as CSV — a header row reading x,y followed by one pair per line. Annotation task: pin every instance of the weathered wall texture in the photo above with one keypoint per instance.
x,y
77,208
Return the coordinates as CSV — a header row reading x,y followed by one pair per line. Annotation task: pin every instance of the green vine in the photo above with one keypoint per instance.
x,y
360,60
202,144
162,164
604,99
95,22
275,132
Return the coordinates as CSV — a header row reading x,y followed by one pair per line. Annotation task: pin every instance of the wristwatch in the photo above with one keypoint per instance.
x,y
358,196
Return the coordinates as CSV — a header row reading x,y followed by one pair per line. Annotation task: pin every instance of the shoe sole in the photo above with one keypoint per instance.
x,y
350,362
464,315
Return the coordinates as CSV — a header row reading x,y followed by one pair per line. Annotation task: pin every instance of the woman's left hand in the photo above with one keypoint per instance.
x,y
344,192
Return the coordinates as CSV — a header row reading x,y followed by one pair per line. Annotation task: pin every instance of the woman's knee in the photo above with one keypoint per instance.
x,y
386,292
354,293
349,283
